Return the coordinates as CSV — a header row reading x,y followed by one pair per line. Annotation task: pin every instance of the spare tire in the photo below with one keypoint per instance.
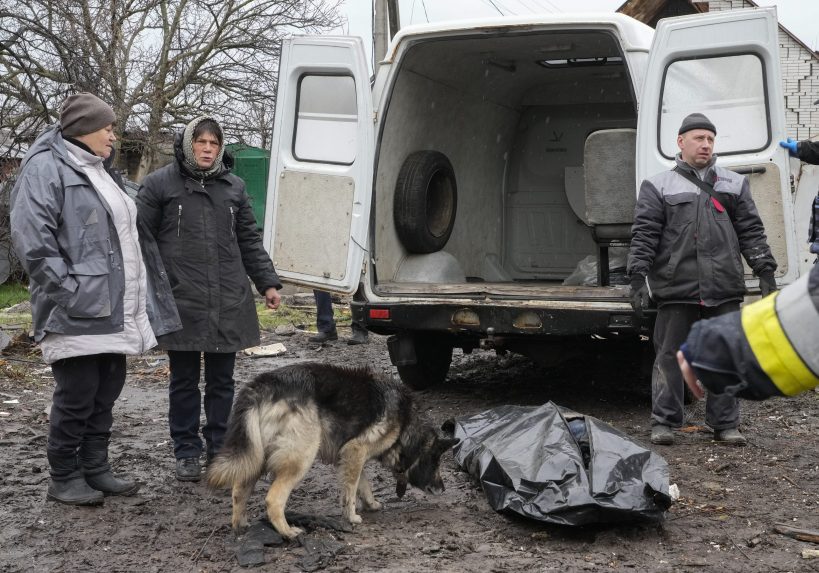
x,y
425,202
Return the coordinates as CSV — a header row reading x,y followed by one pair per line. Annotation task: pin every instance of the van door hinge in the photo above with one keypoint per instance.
x,y
375,115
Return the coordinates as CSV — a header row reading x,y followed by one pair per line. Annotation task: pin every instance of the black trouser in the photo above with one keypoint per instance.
x,y
84,395
667,384
325,321
184,396
324,311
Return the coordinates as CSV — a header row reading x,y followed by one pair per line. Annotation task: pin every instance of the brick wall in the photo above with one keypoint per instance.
x,y
800,77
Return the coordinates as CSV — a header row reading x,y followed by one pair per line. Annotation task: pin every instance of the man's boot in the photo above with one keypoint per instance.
x,y
67,483
323,337
93,458
358,337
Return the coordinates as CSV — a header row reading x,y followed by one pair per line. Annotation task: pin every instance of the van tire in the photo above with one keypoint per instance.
x,y
425,202
433,358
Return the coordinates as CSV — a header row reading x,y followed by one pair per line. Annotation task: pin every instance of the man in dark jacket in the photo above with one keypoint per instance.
x,y
201,217
690,226
808,151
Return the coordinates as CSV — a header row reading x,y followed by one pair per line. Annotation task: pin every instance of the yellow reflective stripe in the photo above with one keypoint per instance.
x,y
772,348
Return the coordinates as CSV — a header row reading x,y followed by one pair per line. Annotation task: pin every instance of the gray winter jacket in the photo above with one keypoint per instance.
x,y
65,238
688,246
210,244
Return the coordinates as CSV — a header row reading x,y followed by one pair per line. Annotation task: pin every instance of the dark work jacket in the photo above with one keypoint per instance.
x,y
688,250
808,152
210,244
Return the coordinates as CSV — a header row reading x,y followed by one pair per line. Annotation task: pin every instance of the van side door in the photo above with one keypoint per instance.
x,y
725,65
318,201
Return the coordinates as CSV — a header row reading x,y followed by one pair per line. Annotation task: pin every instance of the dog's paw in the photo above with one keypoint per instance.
x,y
291,532
353,518
373,505
240,525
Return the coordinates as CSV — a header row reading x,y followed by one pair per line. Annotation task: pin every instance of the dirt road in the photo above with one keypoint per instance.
x,y
730,497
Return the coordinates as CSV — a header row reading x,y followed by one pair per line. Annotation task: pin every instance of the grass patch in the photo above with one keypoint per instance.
x,y
300,317
12,293
15,320
303,317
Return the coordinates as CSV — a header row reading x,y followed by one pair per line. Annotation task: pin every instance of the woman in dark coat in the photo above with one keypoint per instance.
x,y
200,215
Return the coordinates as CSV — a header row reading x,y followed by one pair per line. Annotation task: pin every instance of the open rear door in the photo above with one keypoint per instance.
x,y
318,201
725,65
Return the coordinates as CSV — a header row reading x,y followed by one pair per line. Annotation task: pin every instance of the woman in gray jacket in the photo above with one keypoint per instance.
x,y
76,234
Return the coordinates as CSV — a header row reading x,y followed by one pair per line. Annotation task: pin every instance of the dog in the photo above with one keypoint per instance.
x,y
285,418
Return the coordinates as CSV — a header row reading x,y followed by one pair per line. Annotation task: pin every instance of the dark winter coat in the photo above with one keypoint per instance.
x,y
687,248
808,152
65,237
210,244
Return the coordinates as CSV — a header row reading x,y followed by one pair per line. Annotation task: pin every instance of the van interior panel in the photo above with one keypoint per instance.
x,y
512,113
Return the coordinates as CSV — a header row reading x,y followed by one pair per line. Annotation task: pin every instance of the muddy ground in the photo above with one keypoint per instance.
x,y
730,497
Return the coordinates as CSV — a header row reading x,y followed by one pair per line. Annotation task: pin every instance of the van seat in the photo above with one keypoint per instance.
x,y
610,186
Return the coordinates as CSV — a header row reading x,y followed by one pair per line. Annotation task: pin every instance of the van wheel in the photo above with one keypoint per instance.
x,y
433,360
425,203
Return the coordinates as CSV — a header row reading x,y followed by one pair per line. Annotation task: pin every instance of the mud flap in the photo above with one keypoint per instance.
x,y
402,350
553,465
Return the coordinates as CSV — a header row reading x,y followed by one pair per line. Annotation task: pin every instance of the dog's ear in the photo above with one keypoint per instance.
x,y
448,427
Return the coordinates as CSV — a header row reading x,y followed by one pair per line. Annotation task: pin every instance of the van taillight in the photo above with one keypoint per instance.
x,y
380,313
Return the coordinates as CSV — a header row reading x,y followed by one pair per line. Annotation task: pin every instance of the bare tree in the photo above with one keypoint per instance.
x,y
158,62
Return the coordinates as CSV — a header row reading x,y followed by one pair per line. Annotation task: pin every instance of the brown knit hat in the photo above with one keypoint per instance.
x,y
85,113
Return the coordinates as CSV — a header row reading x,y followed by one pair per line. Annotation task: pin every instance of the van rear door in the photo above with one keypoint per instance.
x,y
725,65
318,201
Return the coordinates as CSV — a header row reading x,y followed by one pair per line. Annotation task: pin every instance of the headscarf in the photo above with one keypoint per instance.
x,y
187,151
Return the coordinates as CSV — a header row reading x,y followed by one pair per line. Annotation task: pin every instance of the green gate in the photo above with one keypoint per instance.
x,y
251,165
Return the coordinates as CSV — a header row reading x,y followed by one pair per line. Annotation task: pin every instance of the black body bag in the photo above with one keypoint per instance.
x,y
557,466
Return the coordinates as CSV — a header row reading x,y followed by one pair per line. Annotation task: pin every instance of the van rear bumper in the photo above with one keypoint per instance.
x,y
483,320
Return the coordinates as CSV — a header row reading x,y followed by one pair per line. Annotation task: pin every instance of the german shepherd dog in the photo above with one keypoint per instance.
x,y
284,418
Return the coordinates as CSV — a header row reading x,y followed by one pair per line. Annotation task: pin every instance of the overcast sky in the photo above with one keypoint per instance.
x,y
800,17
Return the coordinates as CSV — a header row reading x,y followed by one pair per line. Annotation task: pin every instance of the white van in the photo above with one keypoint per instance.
x,y
492,160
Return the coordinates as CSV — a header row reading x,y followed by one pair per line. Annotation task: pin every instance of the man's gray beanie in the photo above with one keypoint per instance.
x,y
85,113
697,121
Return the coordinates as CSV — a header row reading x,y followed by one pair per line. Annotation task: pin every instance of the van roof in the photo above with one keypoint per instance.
x,y
635,34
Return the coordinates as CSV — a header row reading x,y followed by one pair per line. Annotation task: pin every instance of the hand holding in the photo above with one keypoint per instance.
x,y
640,299
791,146
767,284
690,377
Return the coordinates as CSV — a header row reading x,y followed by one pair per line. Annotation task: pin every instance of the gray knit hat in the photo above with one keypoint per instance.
x,y
85,113
696,121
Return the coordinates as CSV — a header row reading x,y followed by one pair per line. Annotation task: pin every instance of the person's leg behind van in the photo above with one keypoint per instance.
x,y
325,322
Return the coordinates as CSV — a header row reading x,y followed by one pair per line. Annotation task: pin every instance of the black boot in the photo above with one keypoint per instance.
x,y
67,483
93,457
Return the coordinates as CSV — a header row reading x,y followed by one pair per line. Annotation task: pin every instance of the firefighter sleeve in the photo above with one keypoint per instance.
x,y
769,348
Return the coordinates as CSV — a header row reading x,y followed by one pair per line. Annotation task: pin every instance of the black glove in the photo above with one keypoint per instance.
x,y
639,296
767,283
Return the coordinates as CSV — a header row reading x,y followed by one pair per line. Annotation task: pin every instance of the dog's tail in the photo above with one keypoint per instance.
x,y
241,459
